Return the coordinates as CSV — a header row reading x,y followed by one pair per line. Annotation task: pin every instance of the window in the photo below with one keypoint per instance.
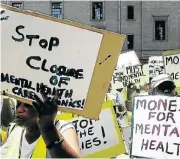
x,y
130,42
160,27
130,12
57,10
97,10
160,30
17,5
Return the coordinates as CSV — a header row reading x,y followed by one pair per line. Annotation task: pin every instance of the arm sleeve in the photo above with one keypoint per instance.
x,y
62,126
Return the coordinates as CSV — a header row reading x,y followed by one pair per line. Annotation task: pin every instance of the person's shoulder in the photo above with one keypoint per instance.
x,y
14,129
63,125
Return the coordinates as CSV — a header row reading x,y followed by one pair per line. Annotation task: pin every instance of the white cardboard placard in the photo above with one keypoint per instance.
x,y
156,131
61,54
172,67
156,66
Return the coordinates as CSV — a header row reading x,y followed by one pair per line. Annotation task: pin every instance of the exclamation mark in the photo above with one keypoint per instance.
x,y
90,121
82,146
83,102
103,134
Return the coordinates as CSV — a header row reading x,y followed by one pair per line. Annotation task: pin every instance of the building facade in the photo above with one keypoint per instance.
x,y
151,26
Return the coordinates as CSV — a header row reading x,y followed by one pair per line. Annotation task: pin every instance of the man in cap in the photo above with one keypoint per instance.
x,y
162,84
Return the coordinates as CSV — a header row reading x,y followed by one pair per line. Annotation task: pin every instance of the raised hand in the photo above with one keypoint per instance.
x,y
46,109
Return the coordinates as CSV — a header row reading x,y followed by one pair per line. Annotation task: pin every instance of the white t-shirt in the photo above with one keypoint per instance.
x,y
27,149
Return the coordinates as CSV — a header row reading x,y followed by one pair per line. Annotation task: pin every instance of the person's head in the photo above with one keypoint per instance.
x,y
25,115
162,84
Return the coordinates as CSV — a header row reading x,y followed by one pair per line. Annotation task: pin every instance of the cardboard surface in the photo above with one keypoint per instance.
x,y
97,69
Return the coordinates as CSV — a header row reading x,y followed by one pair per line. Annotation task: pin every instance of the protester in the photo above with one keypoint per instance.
x,y
162,84
36,134
7,110
131,89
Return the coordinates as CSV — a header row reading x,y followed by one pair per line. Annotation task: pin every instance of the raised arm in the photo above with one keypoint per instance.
x,y
58,146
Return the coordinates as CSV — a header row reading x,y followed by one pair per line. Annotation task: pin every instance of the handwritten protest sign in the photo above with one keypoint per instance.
x,y
132,74
98,138
156,131
156,66
129,58
172,65
60,54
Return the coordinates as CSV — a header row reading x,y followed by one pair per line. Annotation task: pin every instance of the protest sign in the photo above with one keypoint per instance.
x,y
132,74
156,131
172,65
128,59
98,138
62,55
156,66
